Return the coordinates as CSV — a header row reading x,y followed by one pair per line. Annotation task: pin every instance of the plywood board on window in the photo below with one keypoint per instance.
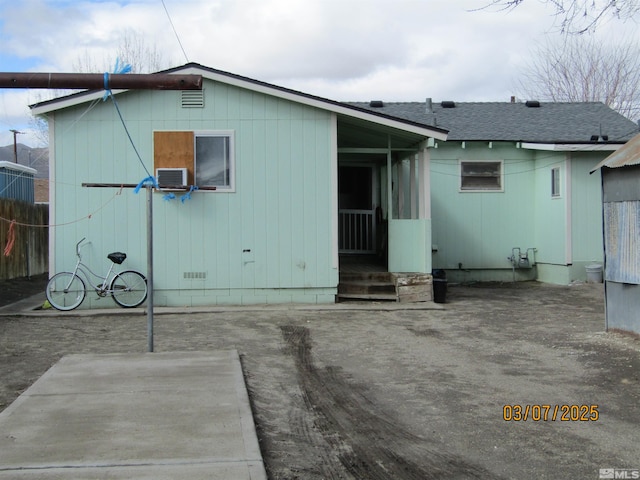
x,y
174,150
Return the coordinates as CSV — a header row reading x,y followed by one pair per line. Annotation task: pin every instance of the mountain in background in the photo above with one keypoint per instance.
x,y
37,158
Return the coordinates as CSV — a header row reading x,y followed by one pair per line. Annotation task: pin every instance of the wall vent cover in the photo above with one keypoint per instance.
x,y
192,98
194,275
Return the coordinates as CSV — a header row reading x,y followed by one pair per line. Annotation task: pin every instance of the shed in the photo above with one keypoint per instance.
x,y
16,182
621,218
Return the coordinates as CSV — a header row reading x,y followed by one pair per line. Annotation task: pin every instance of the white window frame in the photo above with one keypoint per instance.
x,y
230,135
556,182
498,189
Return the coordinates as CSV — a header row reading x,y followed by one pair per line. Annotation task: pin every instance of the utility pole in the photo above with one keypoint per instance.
x,y
15,144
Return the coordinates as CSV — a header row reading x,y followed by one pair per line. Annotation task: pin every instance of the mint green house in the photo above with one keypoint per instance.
x,y
300,181
511,193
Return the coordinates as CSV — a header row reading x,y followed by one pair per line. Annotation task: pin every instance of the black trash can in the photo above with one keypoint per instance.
x,y
439,286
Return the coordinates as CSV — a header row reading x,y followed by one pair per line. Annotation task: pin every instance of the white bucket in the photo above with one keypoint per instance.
x,y
594,273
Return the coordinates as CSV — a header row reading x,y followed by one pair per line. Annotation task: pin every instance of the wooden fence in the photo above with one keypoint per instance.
x,y
29,254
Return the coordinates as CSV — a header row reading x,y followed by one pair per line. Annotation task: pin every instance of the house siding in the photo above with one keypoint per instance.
x,y
270,241
479,229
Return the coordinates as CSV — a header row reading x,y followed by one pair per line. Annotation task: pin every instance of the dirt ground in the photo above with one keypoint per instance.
x,y
399,394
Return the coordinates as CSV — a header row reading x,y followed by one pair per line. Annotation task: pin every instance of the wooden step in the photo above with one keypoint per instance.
x,y
387,297
366,287
366,277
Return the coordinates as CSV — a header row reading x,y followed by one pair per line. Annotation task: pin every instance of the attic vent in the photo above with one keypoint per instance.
x,y
448,104
532,103
376,104
192,98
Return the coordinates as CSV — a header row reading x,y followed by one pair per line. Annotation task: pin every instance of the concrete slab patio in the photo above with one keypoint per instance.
x,y
145,416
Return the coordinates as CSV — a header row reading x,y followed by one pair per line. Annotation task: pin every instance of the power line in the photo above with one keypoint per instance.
x,y
175,31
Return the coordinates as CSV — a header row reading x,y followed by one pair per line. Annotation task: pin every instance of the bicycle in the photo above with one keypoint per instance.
x,y
67,290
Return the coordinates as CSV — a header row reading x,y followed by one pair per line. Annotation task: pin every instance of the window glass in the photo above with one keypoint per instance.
x,y
481,176
213,160
555,182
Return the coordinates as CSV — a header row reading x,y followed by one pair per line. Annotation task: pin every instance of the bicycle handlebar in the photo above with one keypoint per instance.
x,y
78,246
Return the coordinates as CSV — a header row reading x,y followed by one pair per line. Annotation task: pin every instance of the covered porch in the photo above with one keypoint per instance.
x,y
384,205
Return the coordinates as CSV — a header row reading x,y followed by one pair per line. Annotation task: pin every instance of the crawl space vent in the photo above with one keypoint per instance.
x,y
194,275
192,98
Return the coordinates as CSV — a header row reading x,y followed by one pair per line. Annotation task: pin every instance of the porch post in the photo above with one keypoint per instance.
x,y
412,180
401,188
389,181
424,168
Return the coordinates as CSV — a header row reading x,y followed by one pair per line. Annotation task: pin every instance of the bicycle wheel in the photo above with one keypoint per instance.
x,y
129,288
65,291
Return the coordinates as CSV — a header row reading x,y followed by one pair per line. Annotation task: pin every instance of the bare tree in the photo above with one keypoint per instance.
x,y
583,69
580,16
132,49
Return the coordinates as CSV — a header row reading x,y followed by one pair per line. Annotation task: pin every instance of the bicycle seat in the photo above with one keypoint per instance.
x,y
117,257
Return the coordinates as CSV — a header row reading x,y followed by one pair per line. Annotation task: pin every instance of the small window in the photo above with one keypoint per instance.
x,y
214,159
481,176
555,182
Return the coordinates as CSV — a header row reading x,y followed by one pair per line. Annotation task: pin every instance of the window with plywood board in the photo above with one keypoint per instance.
x,y
208,156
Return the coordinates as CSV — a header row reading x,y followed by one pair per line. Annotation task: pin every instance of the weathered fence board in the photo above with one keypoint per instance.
x,y
30,252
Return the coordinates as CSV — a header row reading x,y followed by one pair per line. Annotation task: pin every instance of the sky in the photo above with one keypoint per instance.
x,y
345,50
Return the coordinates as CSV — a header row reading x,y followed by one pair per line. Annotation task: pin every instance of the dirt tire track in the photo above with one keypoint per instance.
x,y
368,443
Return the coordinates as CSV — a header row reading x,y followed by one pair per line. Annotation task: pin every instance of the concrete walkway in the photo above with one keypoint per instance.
x,y
144,416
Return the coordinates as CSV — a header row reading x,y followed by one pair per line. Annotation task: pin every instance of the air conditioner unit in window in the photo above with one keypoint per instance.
x,y
171,177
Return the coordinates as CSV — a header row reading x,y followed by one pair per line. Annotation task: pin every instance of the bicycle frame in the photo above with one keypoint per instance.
x,y
87,273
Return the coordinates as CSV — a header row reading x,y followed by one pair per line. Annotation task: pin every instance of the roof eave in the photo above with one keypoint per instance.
x,y
266,88
572,147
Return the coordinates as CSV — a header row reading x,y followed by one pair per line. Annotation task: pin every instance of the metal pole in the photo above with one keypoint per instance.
x,y
98,81
150,267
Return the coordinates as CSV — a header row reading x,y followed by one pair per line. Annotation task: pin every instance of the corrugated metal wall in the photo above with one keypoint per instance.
x,y
16,182
622,240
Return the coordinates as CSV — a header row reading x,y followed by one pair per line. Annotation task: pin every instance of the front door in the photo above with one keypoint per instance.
x,y
356,209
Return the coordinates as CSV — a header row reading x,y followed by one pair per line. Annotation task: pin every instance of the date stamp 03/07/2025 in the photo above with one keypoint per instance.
x,y
546,413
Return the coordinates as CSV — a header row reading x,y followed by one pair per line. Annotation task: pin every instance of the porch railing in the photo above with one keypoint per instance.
x,y
356,231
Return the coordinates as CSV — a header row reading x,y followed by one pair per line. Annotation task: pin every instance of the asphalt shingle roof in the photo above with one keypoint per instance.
x,y
505,121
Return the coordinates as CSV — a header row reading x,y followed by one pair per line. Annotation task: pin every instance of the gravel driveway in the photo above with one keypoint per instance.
x,y
379,392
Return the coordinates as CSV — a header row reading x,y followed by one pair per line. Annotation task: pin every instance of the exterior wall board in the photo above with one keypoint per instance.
x,y
550,215
479,229
587,243
281,210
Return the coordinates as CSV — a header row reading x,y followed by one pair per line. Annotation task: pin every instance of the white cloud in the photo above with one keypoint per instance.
x,y
340,49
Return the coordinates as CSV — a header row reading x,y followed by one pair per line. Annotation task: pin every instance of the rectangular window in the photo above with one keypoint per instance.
x,y
208,156
478,176
555,182
214,159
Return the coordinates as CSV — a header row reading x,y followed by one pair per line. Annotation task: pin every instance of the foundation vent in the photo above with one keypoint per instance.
x,y
194,275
